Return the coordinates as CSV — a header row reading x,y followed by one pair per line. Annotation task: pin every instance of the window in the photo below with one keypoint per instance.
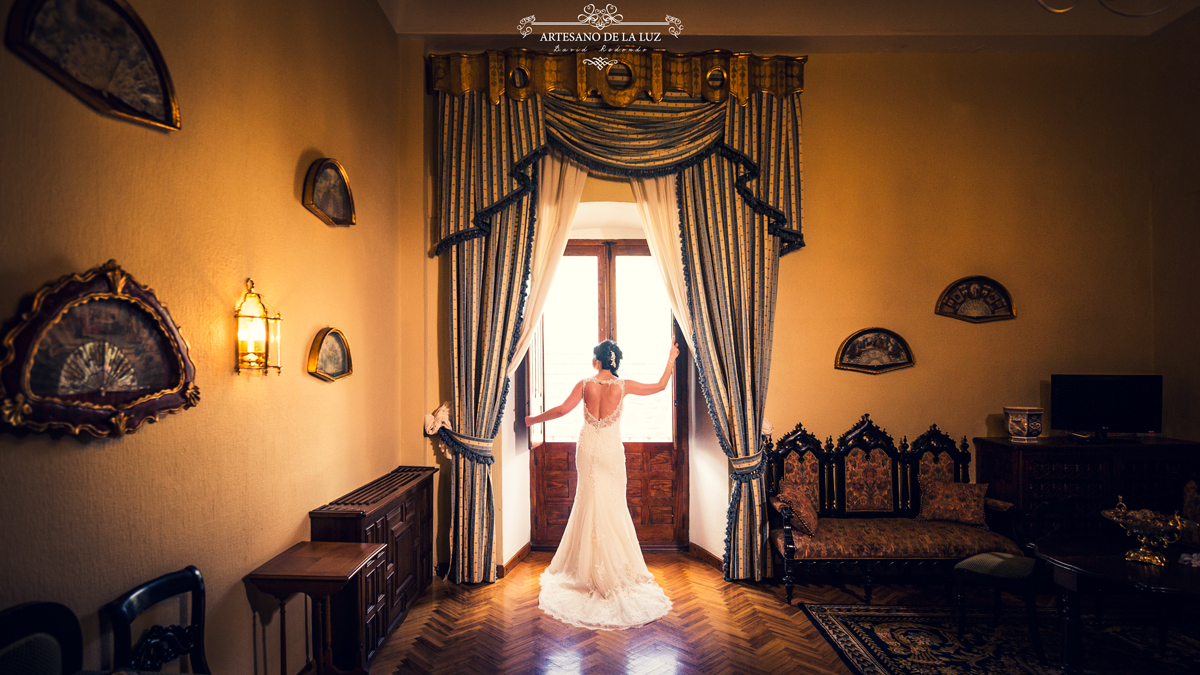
x,y
608,290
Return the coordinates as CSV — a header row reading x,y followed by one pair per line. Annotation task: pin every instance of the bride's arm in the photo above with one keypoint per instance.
x,y
556,412
641,389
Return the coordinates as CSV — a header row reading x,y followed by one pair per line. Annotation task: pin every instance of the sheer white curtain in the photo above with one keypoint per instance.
x,y
659,209
560,188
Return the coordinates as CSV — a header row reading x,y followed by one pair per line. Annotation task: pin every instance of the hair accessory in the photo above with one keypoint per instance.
x,y
612,359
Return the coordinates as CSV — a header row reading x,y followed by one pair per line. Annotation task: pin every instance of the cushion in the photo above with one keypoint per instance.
x,y
895,538
803,505
955,502
998,565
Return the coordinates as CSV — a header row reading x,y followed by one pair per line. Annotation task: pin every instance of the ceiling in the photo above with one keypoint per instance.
x,y
805,26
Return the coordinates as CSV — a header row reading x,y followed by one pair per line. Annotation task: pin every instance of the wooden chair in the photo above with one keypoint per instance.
x,y
160,644
1023,576
40,638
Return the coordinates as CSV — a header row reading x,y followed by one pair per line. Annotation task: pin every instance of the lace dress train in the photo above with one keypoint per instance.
x,y
598,578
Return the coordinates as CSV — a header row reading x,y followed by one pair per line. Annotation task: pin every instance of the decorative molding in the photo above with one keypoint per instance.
x,y
714,75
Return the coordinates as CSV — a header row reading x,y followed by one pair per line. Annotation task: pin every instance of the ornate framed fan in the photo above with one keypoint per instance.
x,y
94,352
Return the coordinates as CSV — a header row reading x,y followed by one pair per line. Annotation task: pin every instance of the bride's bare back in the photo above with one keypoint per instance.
x,y
600,398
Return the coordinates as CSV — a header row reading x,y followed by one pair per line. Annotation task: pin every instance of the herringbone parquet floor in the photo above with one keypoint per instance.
x,y
714,628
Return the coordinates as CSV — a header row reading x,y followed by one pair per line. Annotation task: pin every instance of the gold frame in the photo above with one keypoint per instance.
x,y
314,355
20,19
837,357
21,409
981,280
310,183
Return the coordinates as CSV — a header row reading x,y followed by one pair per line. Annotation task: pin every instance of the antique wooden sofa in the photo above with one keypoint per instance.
x,y
867,497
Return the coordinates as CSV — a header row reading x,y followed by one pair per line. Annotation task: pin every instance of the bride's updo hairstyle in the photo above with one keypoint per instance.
x,y
609,356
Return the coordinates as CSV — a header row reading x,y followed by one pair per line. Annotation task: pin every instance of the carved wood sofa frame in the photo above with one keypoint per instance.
x,y
904,466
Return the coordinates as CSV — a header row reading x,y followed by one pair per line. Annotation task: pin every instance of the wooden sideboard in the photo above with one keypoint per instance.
x,y
395,509
1148,472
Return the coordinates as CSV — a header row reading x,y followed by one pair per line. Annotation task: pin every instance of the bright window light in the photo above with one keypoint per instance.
x,y
644,334
572,324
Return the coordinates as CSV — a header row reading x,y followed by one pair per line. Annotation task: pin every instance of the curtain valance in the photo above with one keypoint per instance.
x,y
620,75
483,178
643,139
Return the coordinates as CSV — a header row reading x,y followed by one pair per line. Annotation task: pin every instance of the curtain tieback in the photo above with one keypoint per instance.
x,y
475,449
748,468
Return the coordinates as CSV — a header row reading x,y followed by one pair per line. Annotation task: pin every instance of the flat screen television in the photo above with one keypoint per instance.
x,y
1103,404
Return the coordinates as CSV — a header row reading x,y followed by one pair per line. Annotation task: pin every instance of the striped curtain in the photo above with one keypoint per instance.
x,y
736,216
488,182
738,190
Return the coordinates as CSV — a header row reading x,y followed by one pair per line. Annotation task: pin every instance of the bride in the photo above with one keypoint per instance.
x,y
598,578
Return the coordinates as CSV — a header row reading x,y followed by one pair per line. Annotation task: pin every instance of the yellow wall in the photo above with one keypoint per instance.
x,y
921,169
264,88
1176,209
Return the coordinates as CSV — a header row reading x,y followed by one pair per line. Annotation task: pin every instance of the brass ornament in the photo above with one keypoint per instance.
x,y
192,395
1152,530
582,74
13,410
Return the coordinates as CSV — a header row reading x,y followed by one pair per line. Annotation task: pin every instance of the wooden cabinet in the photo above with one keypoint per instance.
x,y
1149,472
395,509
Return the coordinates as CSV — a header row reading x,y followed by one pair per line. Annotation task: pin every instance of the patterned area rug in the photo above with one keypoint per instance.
x,y
882,640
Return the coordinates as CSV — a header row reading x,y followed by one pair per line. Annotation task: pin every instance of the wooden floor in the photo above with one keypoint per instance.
x,y
715,627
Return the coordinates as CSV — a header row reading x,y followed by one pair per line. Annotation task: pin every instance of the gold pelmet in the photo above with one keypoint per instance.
x,y
714,75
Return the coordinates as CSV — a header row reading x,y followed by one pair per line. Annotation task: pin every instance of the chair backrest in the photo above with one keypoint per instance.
x,y
799,457
866,470
865,473
933,456
40,638
160,644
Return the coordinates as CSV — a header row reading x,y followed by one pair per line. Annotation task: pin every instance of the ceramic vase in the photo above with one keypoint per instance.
x,y
1024,424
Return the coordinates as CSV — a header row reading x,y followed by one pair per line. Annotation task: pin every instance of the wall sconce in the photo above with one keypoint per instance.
x,y
258,333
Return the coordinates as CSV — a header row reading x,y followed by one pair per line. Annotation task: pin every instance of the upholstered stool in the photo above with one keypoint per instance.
x,y
1003,572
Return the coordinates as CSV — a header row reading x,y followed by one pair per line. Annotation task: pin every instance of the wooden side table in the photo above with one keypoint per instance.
x,y
317,569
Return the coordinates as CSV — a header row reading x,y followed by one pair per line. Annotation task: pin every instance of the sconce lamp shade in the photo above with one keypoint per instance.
x,y
258,333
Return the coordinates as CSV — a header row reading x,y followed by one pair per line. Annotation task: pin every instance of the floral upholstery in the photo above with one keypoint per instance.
x,y
1191,511
802,502
868,481
937,467
956,502
802,472
894,539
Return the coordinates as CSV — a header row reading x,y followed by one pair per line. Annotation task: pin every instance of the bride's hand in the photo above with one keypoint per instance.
x,y
528,420
674,353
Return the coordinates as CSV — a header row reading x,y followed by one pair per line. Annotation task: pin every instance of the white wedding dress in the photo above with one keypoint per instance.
x,y
598,578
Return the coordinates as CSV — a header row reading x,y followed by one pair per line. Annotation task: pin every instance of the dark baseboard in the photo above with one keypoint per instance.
x,y
507,568
706,557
